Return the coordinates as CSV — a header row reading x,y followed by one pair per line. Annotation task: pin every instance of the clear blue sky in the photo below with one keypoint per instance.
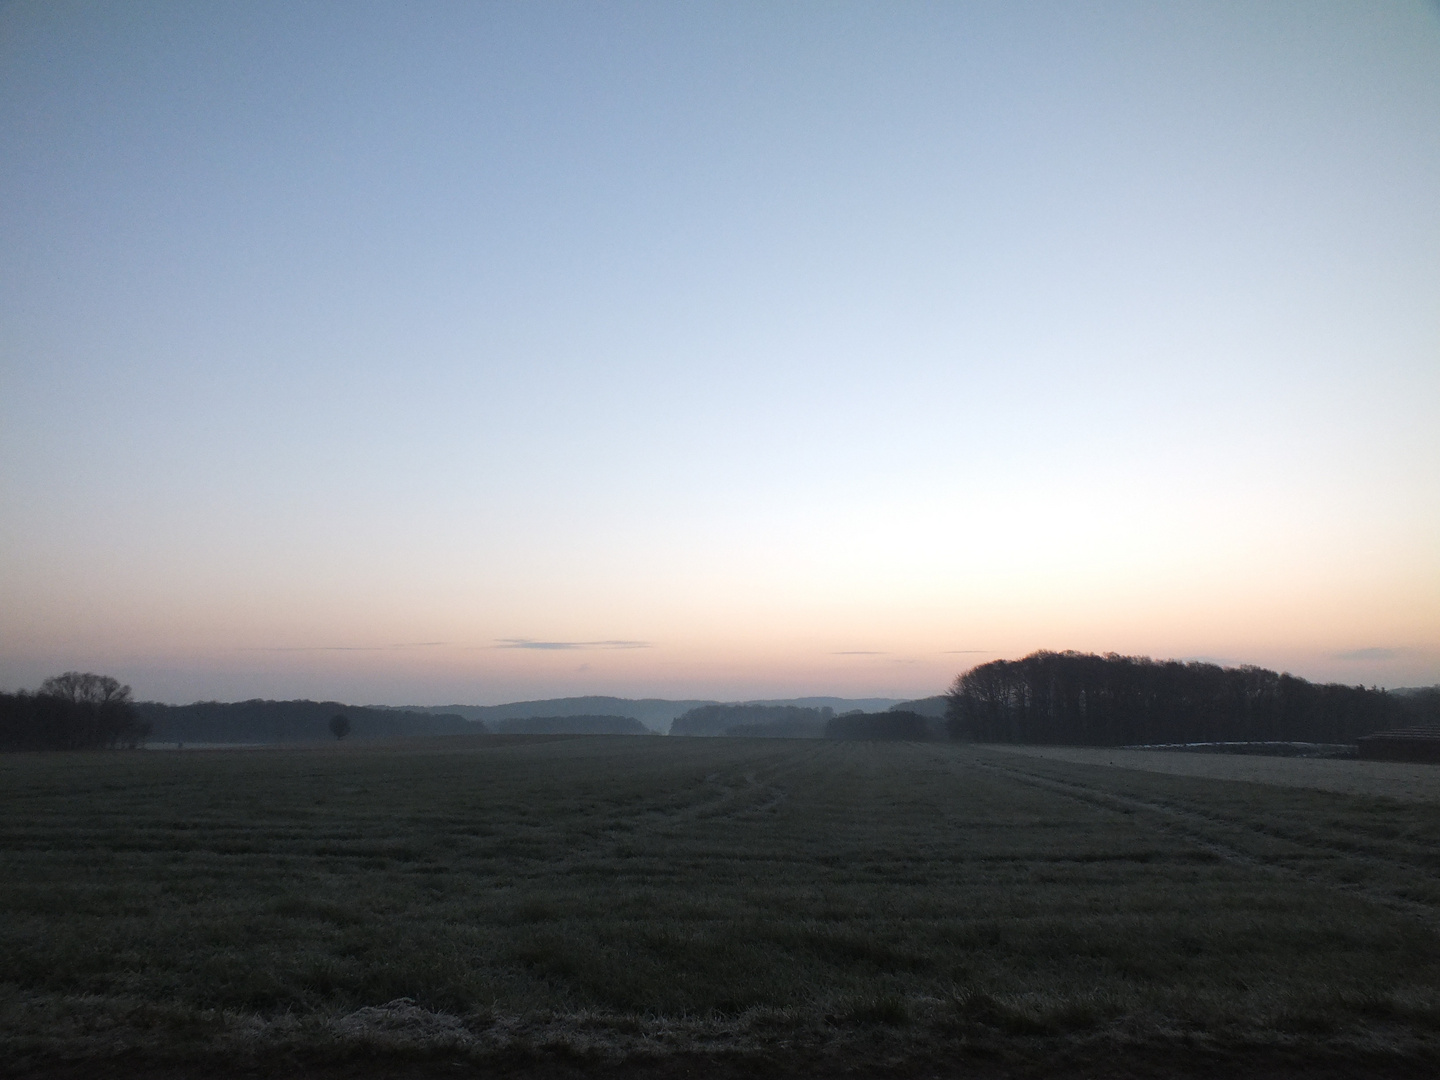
x,y
469,352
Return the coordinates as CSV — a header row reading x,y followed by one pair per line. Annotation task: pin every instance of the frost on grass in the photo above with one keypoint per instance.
x,y
634,900
403,1023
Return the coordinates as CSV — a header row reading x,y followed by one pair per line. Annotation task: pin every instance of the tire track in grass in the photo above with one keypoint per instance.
x,y
752,792
742,789
1358,848
1191,825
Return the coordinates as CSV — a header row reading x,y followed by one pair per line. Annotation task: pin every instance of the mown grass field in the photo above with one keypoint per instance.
x,y
673,905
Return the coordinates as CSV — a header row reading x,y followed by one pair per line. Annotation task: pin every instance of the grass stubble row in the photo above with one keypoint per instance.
x,y
603,900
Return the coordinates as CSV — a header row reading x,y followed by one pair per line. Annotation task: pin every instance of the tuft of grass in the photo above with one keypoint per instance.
x,y
882,1008
1036,1013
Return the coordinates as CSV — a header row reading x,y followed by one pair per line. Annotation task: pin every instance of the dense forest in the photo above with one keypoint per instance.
x,y
290,721
1112,700
74,711
571,725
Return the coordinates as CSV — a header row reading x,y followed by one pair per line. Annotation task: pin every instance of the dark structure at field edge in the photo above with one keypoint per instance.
x,y
1420,744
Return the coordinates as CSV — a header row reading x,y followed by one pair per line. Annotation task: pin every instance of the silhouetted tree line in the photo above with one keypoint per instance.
x,y
785,721
897,724
258,721
74,711
1112,700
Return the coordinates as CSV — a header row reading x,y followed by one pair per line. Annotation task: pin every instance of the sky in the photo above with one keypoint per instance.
x,y
463,353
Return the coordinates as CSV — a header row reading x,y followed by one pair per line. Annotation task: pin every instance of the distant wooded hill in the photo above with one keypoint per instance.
x,y
655,713
775,721
571,725
934,707
260,721
922,719
290,721
1112,700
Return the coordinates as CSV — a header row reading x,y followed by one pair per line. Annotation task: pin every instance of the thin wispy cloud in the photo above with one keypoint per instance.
x,y
859,652
530,643
345,648
1374,653
966,652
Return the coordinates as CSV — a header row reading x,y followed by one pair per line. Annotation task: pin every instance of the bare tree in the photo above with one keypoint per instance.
x,y
85,688
80,710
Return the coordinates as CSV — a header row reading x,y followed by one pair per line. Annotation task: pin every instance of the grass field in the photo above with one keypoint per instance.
x,y
674,905
1386,779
